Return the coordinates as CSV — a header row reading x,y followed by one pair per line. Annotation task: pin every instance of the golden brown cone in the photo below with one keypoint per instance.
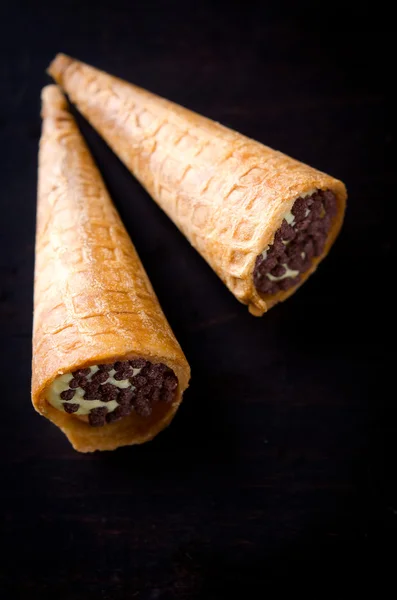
x,y
93,301
224,191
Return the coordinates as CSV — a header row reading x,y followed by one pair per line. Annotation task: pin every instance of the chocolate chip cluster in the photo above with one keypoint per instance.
x,y
296,243
153,383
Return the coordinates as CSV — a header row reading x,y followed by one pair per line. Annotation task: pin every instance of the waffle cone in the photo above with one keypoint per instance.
x,y
225,192
93,301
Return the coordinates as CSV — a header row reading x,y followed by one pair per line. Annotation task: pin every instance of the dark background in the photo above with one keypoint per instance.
x,y
279,465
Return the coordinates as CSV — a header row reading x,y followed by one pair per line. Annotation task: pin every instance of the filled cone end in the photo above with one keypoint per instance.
x,y
304,239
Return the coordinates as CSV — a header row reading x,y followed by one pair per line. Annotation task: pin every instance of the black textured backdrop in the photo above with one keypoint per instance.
x,y
279,465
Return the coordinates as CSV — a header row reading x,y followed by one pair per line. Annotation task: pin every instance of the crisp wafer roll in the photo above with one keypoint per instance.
x,y
107,368
261,219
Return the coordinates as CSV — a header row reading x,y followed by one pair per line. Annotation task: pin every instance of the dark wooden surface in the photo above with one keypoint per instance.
x,y
279,465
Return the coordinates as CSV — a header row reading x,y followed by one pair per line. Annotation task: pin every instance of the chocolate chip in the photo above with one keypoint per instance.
x,y
278,236
315,226
91,391
291,250
157,383
138,363
153,373
266,286
100,377
108,392
140,381
106,367
299,209
120,375
278,249
316,209
295,263
118,413
155,376
302,225
123,370
81,373
125,396
97,416
286,284
146,390
287,232
70,408
83,383
278,271
113,416
270,263
67,394
74,383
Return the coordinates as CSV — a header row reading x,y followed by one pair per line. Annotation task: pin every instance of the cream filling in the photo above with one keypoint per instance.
x,y
289,217
61,384
288,273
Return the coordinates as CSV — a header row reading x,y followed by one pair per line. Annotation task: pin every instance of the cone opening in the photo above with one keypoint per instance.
x,y
108,392
300,240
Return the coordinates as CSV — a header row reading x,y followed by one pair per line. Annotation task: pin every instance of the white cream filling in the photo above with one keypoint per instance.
x,y
61,384
289,217
288,273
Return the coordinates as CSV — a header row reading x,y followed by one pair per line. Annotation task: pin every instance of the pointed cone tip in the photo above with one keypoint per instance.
x,y
52,101
58,66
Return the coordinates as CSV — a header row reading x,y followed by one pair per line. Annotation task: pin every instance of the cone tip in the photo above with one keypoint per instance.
x,y
52,101
58,66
